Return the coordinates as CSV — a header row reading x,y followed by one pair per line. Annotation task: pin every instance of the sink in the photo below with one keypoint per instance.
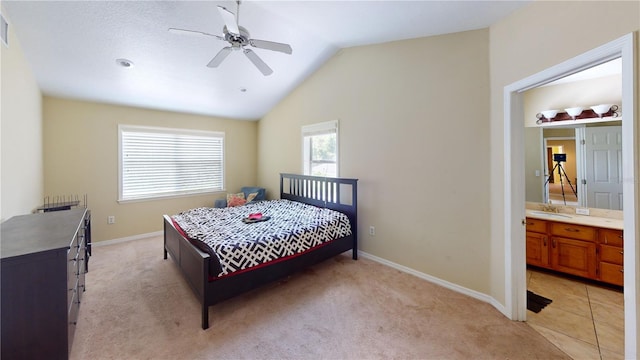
x,y
550,214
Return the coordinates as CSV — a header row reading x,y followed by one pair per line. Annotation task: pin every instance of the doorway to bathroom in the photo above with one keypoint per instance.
x,y
513,223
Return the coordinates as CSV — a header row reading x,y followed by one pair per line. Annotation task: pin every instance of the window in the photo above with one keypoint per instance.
x,y
162,162
320,149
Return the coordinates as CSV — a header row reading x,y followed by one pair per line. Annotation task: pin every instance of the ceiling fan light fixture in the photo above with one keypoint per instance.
x,y
125,63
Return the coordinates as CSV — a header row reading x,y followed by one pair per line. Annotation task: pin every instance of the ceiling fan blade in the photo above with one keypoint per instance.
x,y
264,68
220,56
193,33
229,20
270,45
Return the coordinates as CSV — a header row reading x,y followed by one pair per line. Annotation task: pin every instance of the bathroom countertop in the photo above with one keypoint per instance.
x,y
596,221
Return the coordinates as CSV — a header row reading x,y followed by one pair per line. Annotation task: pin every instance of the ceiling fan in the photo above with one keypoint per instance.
x,y
238,38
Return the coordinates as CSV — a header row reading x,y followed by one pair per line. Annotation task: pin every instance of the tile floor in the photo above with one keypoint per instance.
x,y
585,320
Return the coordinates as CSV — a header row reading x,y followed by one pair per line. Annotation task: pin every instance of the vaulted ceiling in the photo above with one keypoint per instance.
x,y
73,47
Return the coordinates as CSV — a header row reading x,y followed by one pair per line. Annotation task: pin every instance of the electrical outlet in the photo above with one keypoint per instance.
x,y
582,211
111,219
372,230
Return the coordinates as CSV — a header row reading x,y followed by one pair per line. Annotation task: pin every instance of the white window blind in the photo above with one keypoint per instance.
x,y
162,162
320,149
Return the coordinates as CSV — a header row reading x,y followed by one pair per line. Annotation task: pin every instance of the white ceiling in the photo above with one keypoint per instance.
x,y
612,67
72,46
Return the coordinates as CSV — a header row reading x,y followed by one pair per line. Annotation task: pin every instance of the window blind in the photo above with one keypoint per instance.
x,y
160,162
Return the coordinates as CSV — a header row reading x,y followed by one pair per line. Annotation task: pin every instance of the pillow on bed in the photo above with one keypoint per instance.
x,y
261,192
235,199
251,197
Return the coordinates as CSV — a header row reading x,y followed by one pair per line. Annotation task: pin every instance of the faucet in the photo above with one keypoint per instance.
x,y
549,208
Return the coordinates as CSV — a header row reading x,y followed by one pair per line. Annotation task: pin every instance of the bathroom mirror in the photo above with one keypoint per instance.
x,y
589,172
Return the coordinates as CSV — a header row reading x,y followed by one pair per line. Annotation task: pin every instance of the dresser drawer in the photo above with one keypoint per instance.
x,y
72,318
72,271
611,254
573,231
611,273
535,225
610,237
72,293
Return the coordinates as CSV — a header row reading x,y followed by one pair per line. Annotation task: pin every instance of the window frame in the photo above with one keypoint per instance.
x,y
170,131
322,128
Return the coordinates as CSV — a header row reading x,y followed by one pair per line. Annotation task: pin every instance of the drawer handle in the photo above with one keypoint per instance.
x,y
572,230
74,259
621,270
621,252
620,236
553,243
544,241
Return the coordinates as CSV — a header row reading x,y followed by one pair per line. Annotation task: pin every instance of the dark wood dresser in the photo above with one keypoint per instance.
x,y
43,265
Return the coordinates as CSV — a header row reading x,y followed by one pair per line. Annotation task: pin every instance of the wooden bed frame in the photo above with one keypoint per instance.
x,y
319,191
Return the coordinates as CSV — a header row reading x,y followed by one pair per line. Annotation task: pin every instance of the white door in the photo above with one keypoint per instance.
x,y
603,152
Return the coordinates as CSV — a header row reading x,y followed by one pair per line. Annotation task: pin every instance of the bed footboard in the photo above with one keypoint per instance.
x,y
192,262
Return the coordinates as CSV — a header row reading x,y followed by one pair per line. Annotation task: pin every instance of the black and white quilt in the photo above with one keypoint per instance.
x,y
294,228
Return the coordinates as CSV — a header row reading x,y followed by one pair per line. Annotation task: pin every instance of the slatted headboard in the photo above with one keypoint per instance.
x,y
340,194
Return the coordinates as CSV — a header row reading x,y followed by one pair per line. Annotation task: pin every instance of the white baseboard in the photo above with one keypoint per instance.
x,y
125,239
451,286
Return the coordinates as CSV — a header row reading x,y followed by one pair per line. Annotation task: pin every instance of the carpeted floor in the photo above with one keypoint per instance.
x,y
137,306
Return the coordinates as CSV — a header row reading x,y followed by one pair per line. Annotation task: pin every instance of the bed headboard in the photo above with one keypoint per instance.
x,y
338,194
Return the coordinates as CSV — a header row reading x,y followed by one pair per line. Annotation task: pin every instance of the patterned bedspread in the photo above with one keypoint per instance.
x,y
293,229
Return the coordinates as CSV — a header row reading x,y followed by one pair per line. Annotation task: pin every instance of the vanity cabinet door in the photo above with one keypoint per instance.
x,y
537,249
611,273
610,237
611,254
573,256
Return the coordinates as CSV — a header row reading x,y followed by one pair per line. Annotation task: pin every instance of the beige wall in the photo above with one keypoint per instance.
x,y
522,45
81,157
21,132
533,162
404,109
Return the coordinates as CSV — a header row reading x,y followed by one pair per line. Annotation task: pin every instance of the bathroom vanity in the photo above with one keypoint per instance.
x,y
584,246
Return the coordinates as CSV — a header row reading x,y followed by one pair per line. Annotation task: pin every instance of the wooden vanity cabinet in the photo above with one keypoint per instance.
x,y
586,251
573,249
537,242
610,256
